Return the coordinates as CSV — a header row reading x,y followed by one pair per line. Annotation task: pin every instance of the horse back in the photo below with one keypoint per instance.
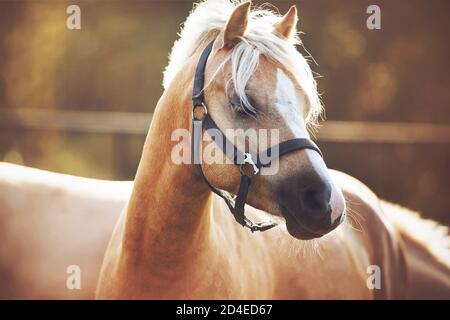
x,y
53,225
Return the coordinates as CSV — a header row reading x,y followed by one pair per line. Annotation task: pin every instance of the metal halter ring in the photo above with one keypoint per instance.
x,y
248,160
205,112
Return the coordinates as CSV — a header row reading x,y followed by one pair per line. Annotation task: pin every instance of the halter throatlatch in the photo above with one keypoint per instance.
x,y
248,166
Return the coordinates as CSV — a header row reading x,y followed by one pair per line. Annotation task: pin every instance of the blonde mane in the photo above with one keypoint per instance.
x,y
205,22
429,234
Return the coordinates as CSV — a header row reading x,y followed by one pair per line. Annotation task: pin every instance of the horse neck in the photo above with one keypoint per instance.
x,y
168,212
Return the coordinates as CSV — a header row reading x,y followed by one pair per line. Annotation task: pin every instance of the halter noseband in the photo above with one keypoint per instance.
x,y
240,159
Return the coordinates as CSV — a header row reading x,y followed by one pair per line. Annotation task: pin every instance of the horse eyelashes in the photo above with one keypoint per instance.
x,y
241,109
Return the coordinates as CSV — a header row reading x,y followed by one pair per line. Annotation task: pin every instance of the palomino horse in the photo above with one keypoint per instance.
x,y
176,239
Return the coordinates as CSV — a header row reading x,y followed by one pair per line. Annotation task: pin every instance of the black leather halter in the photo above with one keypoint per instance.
x,y
248,167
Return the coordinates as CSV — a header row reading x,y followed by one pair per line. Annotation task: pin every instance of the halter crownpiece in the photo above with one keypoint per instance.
x,y
201,118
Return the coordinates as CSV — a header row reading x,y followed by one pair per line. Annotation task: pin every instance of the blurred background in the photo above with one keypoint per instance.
x,y
80,101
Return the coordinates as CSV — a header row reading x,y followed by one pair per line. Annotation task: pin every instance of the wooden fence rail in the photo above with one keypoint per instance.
x,y
138,123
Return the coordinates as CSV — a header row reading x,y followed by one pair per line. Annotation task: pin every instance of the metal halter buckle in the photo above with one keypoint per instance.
x,y
205,112
248,160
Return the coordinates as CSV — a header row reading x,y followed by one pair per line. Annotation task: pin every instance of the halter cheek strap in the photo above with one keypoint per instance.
x,y
248,167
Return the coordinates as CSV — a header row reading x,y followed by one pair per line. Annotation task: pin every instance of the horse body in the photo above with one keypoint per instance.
x,y
175,241
265,265
48,222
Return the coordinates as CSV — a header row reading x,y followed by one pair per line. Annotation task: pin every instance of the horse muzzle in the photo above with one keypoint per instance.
x,y
311,206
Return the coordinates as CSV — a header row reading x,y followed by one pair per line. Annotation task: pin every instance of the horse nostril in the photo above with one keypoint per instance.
x,y
315,200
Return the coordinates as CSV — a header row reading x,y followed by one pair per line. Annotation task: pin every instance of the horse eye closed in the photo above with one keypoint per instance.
x,y
239,107
236,106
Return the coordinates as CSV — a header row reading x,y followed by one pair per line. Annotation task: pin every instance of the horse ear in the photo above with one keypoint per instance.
x,y
236,25
287,25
